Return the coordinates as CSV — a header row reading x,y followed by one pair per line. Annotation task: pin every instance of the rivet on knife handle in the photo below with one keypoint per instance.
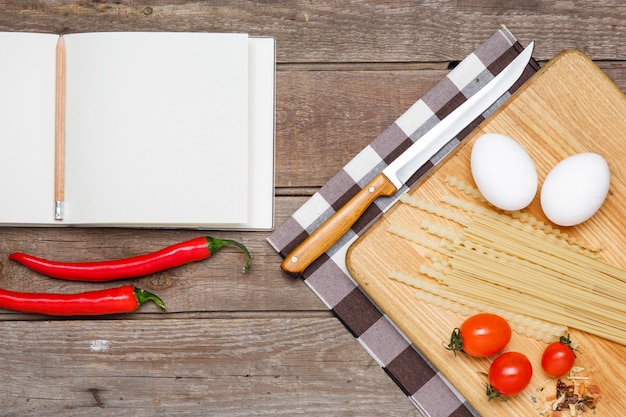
x,y
337,225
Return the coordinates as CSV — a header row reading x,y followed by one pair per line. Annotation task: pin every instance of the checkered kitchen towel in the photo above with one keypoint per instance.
x,y
329,278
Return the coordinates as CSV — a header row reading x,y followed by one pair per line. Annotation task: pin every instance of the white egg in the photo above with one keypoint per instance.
x,y
503,171
575,189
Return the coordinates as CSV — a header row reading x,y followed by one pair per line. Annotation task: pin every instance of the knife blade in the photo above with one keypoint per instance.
x,y
391,179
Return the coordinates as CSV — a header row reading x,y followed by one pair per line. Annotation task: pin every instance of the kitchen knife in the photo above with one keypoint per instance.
x,y
391,179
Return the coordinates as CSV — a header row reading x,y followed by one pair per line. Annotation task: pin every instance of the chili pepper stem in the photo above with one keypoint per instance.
x,y
143,296
215,244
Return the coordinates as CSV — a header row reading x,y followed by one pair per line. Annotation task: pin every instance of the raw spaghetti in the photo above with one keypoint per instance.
x,y
494,261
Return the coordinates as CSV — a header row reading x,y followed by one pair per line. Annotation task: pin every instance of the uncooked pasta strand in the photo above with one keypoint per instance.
x,y
524,218
500,297
434,209
510,269
502,263
516,275
494,274
418,238
538,329
549,254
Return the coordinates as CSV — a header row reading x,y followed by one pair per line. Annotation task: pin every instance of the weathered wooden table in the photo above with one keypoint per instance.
x,y
260,343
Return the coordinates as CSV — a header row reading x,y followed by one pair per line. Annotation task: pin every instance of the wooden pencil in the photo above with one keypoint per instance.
x,y
59,153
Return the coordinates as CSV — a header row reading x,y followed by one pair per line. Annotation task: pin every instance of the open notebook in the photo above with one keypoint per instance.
x,y
161,130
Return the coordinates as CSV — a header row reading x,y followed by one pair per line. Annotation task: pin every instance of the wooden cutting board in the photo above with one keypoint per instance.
x,y
569,106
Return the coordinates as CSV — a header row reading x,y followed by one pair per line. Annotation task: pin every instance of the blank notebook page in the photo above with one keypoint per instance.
x,y
157,128
27,85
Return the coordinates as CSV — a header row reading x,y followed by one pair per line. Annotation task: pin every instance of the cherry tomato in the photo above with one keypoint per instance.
x,y
481,335
558,358
509,374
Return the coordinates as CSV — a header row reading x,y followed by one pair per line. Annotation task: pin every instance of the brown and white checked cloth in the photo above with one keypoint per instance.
x,y
328,276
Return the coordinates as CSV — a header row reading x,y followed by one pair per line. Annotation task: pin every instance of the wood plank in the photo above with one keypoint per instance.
x,y
324,118
346,71
239,367
569,107
333,112
308,120
355,31
213,285
330,109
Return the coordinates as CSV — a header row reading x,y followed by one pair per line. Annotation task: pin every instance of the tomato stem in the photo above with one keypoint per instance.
x,y
456,341
493,393
568,342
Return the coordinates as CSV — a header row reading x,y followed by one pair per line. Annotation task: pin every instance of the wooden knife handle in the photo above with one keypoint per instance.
x,y
336,226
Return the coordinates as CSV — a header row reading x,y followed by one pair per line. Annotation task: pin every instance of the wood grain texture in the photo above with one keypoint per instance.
x,y
214,285
346,70
340,111
333,110
567,108
177,367
354,31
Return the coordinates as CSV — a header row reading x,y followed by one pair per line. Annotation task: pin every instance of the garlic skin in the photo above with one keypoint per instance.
x,y
575,189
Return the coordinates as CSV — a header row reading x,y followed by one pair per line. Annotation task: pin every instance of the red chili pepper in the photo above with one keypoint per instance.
x,y
179,254
93,303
